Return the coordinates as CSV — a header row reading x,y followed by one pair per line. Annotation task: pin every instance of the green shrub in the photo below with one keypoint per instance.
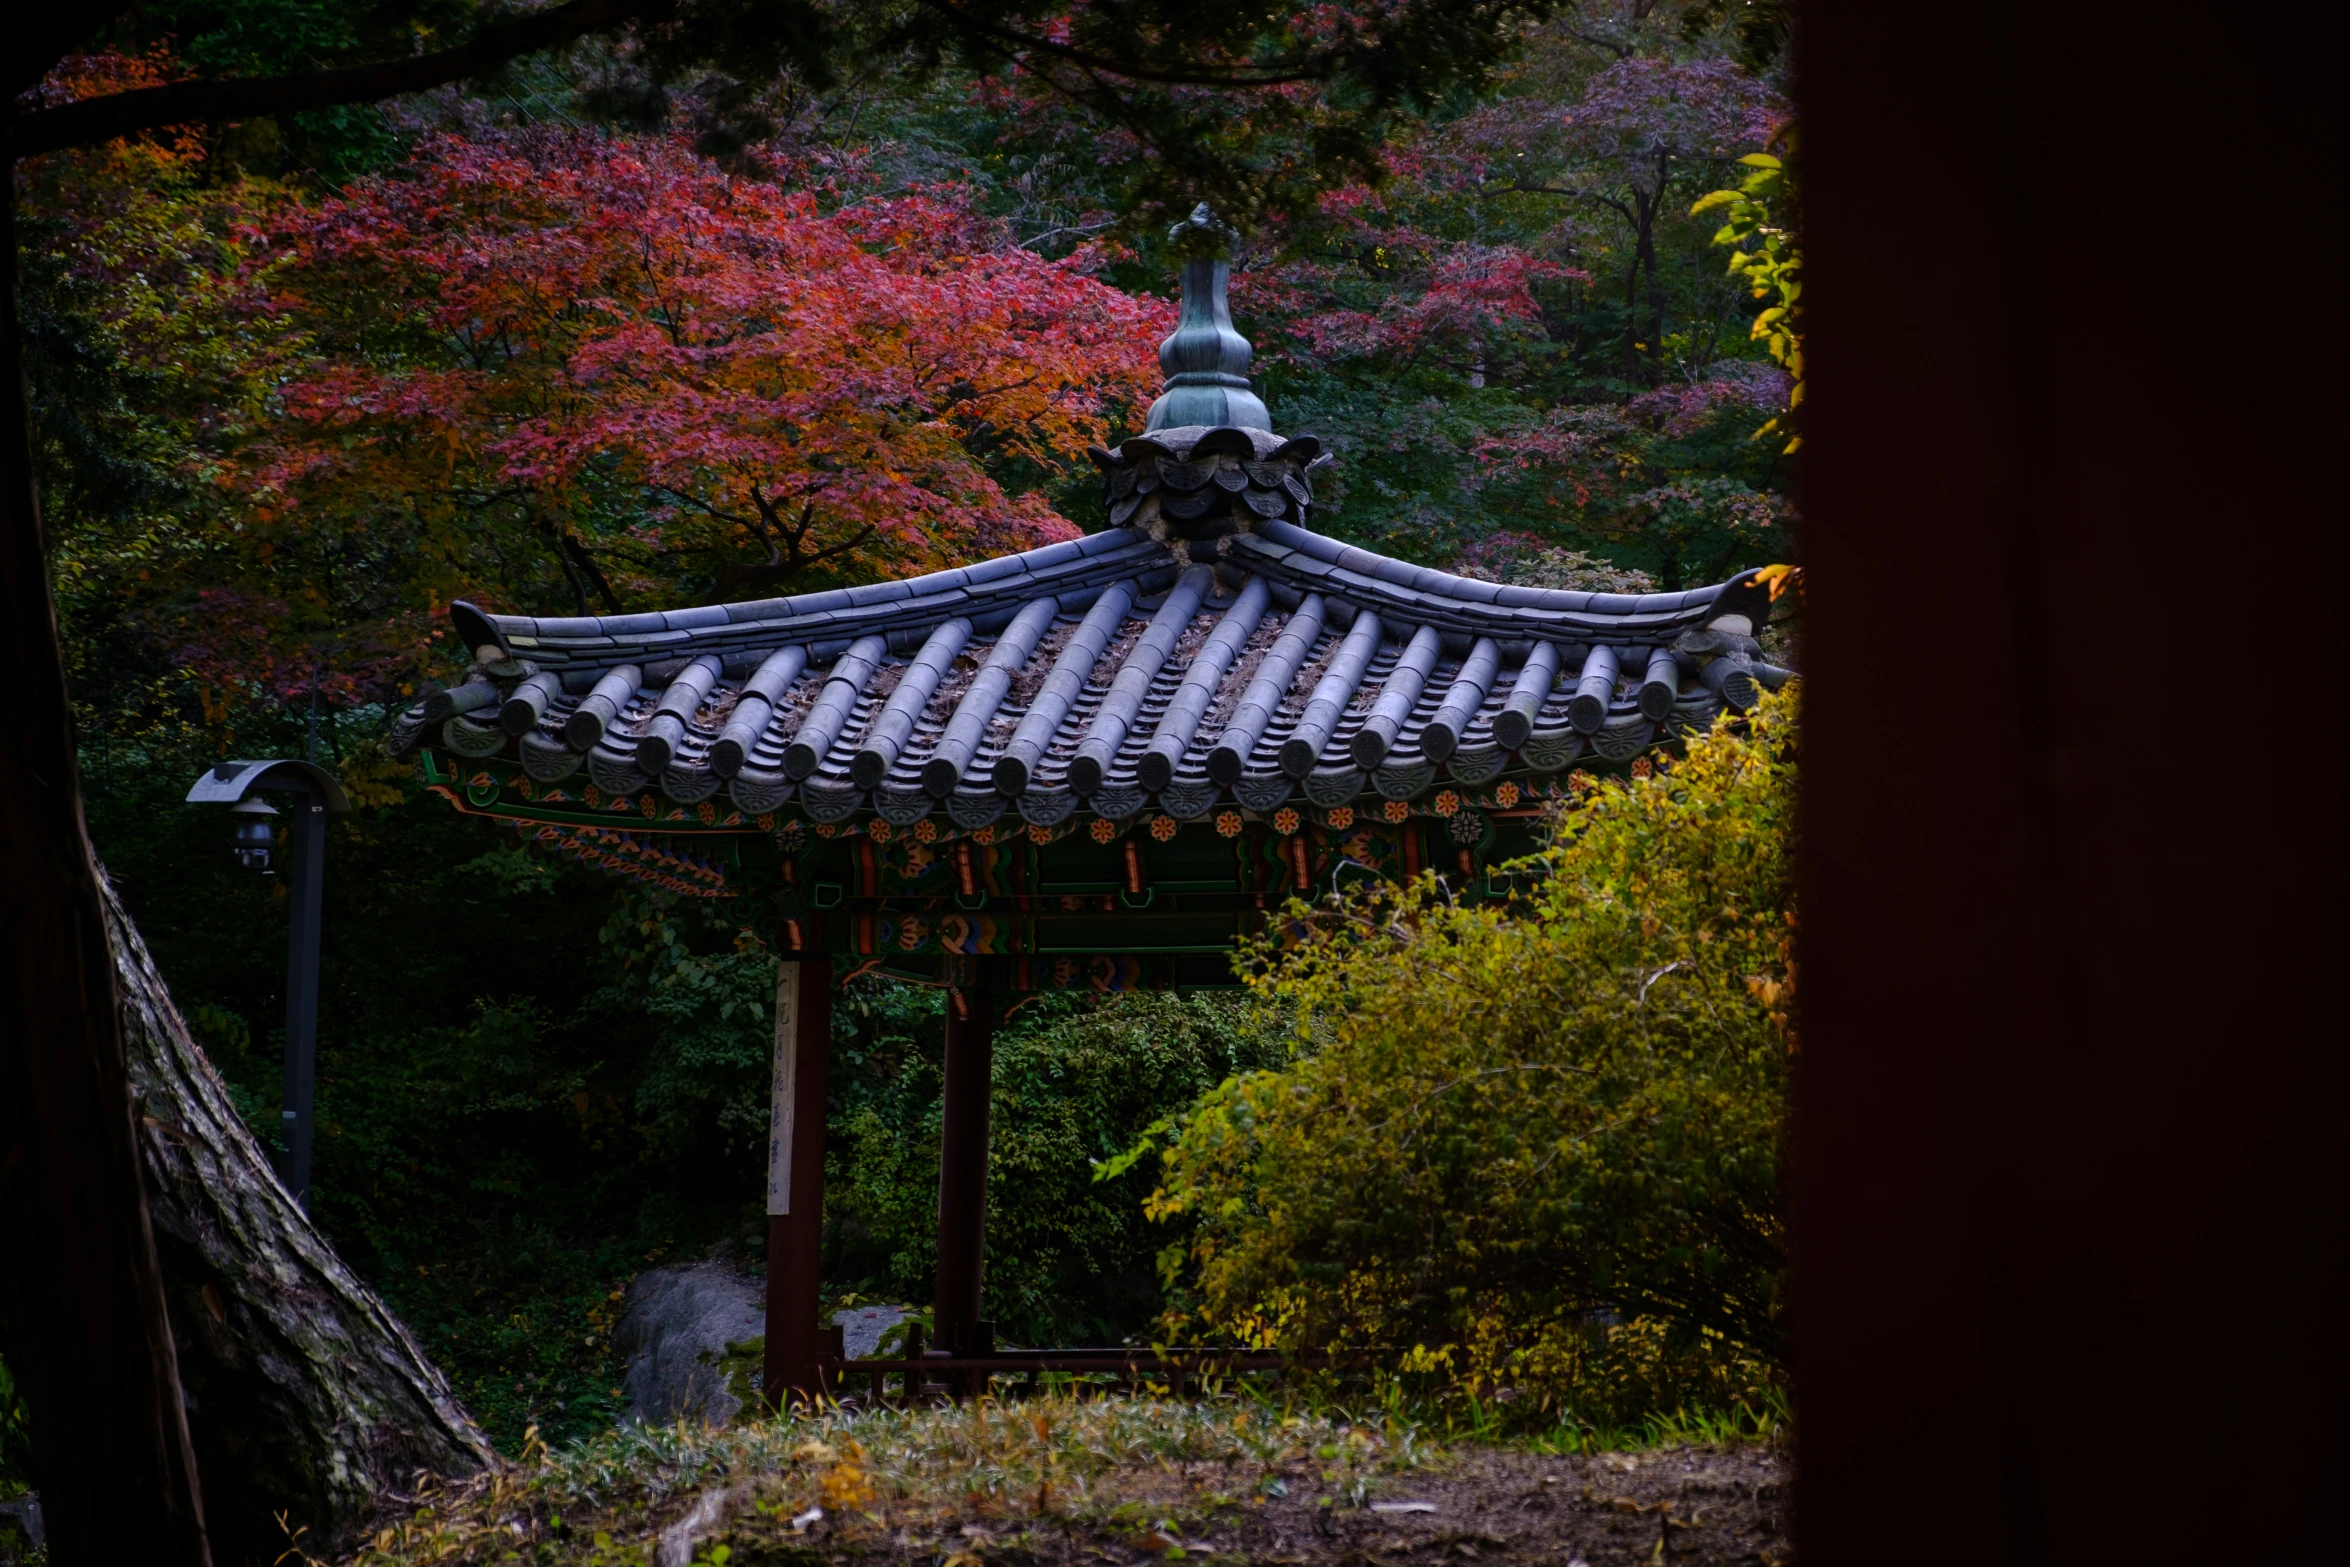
x,y
16,1451
1076,1080
1536,1147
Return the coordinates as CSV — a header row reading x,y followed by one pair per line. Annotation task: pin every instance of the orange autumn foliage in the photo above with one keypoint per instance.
x,y
656,376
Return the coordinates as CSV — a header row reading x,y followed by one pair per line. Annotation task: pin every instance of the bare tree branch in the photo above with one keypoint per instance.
x,y
94,120
576,553
1309,68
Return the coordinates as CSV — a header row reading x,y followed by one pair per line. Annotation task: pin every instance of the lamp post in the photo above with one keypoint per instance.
x,y
316,796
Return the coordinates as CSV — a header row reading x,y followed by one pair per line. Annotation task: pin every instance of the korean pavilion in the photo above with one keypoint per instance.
x,y
1088,766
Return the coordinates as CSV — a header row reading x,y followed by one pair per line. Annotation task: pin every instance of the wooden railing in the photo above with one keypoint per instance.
x,y
921,1374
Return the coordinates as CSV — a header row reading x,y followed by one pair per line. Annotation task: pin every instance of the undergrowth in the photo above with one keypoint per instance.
x,y
952,1482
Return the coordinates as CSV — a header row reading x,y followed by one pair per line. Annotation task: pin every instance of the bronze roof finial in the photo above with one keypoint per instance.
x,y
1205,360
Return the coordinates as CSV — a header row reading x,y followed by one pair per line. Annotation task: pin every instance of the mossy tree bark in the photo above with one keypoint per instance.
x,y
305,1395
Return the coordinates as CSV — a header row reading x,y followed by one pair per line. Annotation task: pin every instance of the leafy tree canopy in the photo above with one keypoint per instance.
x,y
576,366
1326,83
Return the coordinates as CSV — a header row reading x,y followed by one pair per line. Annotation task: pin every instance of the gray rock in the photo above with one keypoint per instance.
x,y
863,1327
675,1328
674,1332
25,1511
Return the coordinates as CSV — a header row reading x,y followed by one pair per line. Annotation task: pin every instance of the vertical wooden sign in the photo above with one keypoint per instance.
x,y
795,1175
785,1088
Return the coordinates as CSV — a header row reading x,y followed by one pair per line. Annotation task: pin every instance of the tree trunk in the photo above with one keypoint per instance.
x,y
305,1394
1632,301
1645,261
81,1300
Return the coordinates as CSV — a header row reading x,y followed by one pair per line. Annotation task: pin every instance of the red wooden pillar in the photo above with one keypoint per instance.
x,y
795,1171
962,1157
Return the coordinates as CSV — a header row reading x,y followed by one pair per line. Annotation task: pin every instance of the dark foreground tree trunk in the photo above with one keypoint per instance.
x,y
81,1303
305,1394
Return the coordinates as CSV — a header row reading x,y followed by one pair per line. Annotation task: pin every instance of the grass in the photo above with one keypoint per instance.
x,y
1137,1465
947,1483
1505,1422
1738,1426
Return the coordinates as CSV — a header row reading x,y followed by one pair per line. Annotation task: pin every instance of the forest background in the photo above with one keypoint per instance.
x,y
569,343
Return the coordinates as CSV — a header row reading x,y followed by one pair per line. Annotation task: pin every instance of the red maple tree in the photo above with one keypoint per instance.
x,y
666,375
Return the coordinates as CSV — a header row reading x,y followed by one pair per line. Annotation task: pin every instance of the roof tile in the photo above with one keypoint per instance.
x,y
632,625
1292,561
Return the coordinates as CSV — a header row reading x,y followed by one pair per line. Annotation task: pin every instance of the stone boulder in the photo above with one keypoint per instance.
x,y
674,1331
862,1328
21,1537
692,1338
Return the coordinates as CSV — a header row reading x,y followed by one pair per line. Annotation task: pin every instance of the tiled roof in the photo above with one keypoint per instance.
x,y
1209,646
1105,674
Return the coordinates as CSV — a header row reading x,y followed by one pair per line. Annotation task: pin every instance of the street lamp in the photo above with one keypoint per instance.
x,y
254,837
317,795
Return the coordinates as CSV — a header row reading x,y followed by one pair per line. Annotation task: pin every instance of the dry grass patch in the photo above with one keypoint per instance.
x,y
1057,1481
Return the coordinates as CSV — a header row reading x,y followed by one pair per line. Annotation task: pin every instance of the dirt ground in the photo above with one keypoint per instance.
x,y
1688,1505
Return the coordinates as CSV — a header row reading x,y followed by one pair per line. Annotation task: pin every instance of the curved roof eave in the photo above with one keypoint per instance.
x,y
1105,673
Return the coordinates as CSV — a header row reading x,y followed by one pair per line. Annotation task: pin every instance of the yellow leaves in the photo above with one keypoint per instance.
x,y
1779,579
1769,258
847,1486
1420,1359
1777,998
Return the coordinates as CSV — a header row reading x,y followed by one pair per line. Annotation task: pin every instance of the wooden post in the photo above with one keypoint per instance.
x,y
795,1171
306,880
915,1347
962,1158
